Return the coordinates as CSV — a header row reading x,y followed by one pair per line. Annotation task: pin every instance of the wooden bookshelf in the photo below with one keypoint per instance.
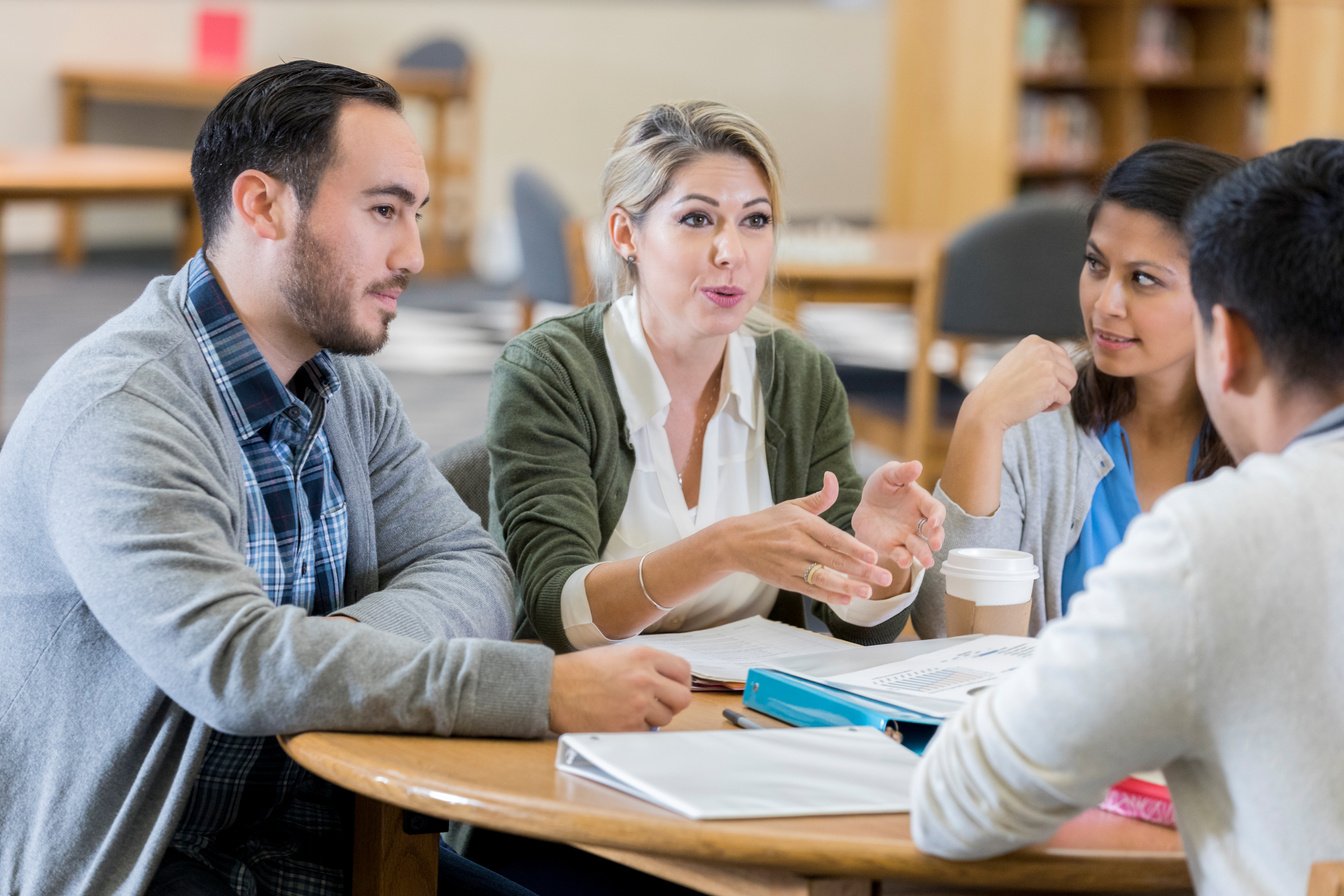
x,y
970,90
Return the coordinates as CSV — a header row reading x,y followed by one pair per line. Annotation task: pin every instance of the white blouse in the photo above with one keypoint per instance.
x,y
733,481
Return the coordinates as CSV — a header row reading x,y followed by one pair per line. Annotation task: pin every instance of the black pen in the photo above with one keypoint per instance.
x,y
740,720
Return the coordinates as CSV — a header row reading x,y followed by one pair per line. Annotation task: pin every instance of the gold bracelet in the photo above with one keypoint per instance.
x,y
645,588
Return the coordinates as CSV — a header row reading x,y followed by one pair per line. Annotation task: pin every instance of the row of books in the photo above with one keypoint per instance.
x,y
1062,131
1057,130
1052,42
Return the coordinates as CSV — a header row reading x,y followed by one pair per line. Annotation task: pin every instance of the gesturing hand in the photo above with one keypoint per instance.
x,y
619,688
889,515
1035,376
780,544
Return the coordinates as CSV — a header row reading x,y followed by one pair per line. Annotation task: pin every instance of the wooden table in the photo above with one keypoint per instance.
x,y
889,267
513,786
450,170
97,172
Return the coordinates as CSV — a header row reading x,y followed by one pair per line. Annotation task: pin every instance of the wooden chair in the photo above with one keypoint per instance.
x,y
555,266
1327,879
442,72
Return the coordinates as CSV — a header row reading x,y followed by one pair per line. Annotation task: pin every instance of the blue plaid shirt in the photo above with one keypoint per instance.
x,y
254,815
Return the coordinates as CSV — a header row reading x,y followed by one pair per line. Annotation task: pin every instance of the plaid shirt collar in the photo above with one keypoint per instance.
x,y
251,391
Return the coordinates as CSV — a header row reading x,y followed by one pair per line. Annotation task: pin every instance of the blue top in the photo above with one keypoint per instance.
x,y
1115,503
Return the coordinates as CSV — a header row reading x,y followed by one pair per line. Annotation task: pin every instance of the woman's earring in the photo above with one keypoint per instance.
x,y
630,259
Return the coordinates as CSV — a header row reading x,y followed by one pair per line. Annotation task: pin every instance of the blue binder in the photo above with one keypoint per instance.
x,y
807,704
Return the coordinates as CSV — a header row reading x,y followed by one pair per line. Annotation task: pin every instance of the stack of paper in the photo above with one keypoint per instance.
x,y
720,656
765,773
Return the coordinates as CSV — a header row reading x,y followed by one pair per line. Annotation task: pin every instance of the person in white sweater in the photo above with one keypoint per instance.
x,y
1207,643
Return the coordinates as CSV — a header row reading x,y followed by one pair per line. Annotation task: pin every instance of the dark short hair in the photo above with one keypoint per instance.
x,y
1267,243
1164,179
281,121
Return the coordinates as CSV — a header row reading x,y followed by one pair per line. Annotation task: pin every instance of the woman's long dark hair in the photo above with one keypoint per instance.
x,y
1162,179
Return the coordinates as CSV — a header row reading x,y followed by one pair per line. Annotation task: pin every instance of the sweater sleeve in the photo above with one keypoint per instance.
x,y
1108,693
143,512
544,495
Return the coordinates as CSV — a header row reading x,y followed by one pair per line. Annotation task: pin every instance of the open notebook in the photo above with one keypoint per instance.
x,y
767,773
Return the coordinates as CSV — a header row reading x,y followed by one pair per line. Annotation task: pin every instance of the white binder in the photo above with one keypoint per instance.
x,y
766,773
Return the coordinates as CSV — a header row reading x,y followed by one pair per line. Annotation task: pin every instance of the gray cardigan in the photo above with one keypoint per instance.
x,y
129,621
1050,470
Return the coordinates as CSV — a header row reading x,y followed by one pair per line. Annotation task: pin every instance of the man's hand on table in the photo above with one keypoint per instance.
x,y
620,688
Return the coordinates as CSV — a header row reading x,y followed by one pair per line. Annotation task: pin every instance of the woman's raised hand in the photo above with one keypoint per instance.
x,y
1037,375
792,547
898,517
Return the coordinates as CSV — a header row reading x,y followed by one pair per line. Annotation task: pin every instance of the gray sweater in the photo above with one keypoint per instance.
x,y
130,624
1051,468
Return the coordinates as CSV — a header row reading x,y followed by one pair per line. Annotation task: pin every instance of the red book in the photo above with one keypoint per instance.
x,y
1144,796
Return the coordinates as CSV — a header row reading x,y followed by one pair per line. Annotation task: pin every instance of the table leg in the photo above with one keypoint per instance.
x,y
74,105
922,386
387,860
191,237
2,314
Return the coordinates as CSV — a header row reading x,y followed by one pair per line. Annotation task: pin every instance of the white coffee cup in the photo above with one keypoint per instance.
x,y
988,591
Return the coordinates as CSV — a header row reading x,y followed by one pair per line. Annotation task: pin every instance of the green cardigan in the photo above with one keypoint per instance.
x,y
561,458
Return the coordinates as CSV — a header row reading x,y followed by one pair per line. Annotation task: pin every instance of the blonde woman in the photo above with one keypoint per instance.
x,y
665,462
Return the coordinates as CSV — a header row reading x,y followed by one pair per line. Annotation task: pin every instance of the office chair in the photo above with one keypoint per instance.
x,y
1004,276
466,466
555,269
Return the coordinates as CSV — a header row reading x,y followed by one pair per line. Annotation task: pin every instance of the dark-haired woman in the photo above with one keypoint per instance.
x,y
1055,456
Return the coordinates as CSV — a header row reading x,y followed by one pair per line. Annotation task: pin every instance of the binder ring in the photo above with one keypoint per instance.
x,y
812,570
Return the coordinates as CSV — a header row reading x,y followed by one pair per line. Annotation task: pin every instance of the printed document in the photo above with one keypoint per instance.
x,y
936,682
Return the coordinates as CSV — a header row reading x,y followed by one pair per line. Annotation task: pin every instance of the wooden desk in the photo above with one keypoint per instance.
x,y
97,172
513,786
890,267
450,170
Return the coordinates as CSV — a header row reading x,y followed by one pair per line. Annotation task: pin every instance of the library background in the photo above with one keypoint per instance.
x,y
992,98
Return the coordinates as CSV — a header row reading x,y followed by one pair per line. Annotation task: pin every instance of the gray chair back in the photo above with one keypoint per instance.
x,y
542,217
466,466
1016,271
443,54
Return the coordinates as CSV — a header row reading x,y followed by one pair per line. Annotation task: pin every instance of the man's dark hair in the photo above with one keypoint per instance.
x,y
1267,243
281,121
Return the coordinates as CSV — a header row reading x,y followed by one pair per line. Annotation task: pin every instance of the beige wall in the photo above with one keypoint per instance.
x,y
560,79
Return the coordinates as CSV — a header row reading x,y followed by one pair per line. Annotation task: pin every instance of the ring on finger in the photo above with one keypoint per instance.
x,y
919,528
812,570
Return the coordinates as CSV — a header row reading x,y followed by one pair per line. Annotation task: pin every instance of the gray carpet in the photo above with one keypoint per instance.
x,y
442,344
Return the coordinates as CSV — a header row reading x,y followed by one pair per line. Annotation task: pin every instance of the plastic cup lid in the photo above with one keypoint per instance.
x,y
990,563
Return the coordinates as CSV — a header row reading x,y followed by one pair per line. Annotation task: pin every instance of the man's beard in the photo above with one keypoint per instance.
x,y
324,303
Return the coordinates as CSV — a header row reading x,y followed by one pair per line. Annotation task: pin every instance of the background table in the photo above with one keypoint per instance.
x,y
448,171
97,172
513,786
